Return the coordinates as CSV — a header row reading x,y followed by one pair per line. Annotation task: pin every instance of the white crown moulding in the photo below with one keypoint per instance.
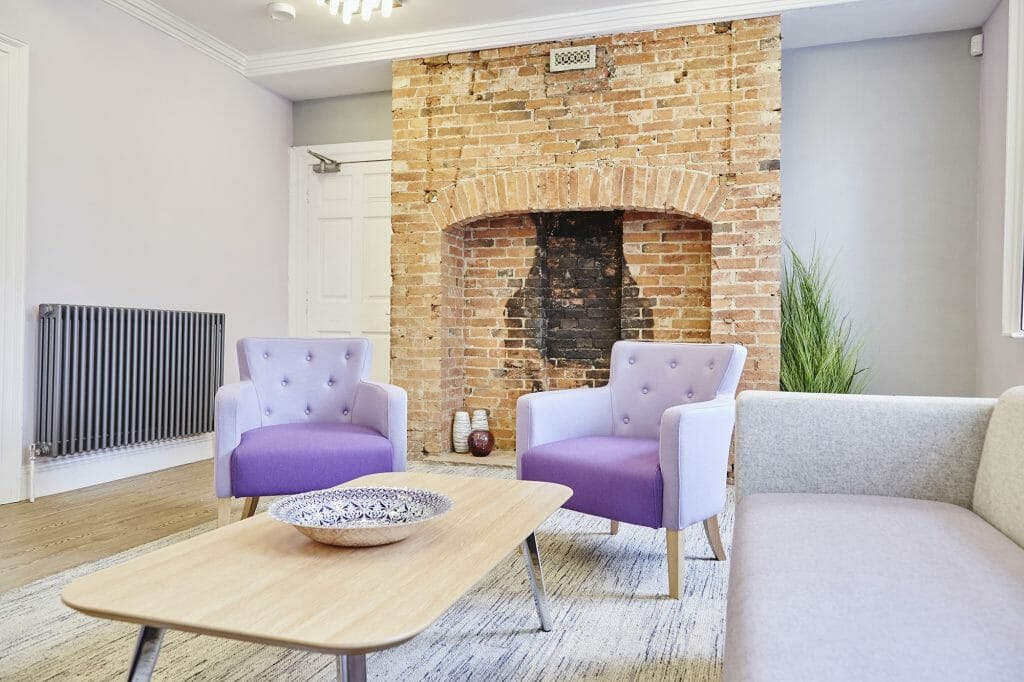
x,y
166,21
633,17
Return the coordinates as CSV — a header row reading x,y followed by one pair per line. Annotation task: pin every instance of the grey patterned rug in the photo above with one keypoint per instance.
x,y
611,621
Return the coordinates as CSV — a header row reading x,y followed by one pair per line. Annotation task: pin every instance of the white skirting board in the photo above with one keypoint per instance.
x,y
60,474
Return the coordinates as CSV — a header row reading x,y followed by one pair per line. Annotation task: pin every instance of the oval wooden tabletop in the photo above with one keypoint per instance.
x,y
262,581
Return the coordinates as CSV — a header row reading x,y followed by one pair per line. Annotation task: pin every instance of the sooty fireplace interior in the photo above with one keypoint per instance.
x,y
570,306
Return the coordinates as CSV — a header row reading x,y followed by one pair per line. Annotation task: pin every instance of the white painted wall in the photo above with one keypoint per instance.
x,y
880,143
157,178
1000,358
351,118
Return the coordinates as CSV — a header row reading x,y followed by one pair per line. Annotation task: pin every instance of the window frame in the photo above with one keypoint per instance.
x,y
1013,237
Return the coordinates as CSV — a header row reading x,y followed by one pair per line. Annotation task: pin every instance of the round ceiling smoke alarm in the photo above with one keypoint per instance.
x,y
281,11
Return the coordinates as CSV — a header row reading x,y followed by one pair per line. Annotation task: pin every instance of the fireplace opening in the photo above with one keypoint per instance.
x,y
535,301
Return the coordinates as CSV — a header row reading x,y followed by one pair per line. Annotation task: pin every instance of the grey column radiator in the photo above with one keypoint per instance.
x,y
110,377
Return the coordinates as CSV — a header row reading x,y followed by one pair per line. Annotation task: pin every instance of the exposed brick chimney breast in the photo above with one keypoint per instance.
x,y
540,216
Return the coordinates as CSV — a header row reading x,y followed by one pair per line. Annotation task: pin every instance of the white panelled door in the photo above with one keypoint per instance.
x,y
347,259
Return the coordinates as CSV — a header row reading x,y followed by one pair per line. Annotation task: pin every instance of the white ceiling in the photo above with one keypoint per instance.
x,y
244,25
316,55
329,81
869,19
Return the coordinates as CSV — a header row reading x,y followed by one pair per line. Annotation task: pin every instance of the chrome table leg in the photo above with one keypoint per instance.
x,y
351,668
147,648
536,575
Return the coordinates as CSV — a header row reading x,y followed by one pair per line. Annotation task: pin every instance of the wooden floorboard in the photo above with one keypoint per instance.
x,y
58,532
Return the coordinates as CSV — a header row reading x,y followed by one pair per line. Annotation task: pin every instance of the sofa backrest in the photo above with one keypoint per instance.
x,y
900,446
999,488
648,378
304,380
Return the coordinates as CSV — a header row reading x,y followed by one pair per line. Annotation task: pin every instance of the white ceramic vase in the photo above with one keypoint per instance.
x,y
460,431
479,422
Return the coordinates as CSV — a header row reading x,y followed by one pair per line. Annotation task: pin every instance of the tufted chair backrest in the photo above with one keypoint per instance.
x,y
648,378
304,380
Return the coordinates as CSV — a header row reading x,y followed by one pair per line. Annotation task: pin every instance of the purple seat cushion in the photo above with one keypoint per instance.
x,y
285,459
611,476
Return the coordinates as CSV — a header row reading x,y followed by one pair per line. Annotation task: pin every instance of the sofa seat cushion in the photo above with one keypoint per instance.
x,y
610,476
859,587
285,459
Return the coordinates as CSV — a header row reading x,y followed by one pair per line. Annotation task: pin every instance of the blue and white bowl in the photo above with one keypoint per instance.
x,y
360,517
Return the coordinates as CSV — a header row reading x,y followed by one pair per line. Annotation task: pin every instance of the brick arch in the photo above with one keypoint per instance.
x,y
590,188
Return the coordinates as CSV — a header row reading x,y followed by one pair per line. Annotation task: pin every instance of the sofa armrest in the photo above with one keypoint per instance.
x,y
237,410
384,407
694,456
550,416
916,447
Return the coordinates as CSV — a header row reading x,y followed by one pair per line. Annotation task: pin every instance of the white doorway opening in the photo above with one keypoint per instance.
x,y
339,261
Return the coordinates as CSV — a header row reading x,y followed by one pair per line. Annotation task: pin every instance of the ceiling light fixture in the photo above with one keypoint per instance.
x,y
281,11
365,8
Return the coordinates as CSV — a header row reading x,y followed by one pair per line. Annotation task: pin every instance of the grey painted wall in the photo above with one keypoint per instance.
x,y
880,153
1000,358
352,118
135,197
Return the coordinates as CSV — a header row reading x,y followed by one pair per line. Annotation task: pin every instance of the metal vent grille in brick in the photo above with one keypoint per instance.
x,y
573,58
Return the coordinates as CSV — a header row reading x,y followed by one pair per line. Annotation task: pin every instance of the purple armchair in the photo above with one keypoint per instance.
x,y
303,417
651,448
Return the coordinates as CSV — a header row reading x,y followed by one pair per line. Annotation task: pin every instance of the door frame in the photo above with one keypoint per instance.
x,y
14,317
300,176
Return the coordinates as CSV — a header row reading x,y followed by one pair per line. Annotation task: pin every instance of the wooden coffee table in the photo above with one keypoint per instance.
x,y
261,581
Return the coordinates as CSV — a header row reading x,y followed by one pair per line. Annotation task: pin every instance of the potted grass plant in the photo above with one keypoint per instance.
x,y
820,354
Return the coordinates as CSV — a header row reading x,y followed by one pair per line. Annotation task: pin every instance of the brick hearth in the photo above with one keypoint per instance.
x,y
538,216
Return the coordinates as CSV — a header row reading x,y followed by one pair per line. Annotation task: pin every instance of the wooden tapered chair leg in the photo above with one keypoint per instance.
x,y
249,508
714,537
675,544
223,511
613,528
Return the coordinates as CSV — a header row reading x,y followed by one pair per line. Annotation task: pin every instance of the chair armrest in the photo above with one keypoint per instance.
x,y
237,410
917,447
384,407
550,416
694,442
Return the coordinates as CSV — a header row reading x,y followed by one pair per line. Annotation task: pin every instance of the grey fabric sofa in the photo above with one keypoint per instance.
x,y
877,538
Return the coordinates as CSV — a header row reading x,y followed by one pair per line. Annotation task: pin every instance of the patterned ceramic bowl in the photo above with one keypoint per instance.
x,y
360,517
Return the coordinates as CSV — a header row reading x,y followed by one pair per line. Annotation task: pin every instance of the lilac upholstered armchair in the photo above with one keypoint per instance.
x,y
651,448
303,417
